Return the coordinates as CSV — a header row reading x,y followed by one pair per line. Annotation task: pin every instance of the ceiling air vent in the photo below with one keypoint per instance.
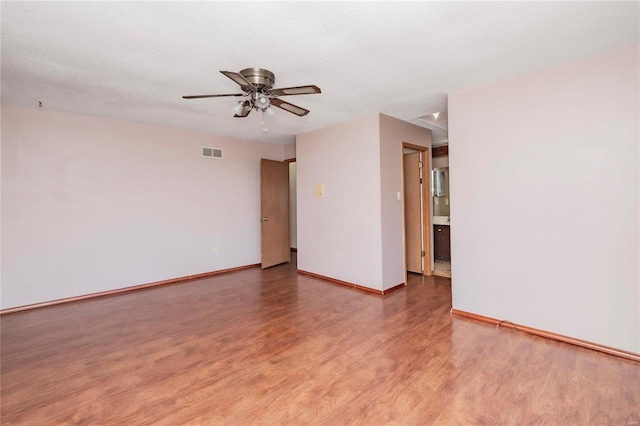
x,y
212,152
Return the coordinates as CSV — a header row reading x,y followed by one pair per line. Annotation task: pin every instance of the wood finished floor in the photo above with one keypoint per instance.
x,y
442,268
273,347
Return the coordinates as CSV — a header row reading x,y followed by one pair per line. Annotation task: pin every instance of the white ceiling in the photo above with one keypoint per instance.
x,y
135,60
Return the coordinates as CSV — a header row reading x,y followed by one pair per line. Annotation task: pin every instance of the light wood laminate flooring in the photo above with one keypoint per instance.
x,y
274,347
442,268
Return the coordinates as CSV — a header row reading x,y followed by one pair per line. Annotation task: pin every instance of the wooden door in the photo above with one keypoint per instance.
x,y
274,188
413,212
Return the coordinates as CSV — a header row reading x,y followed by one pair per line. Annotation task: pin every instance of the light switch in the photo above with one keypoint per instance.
x,y
319,190
399,195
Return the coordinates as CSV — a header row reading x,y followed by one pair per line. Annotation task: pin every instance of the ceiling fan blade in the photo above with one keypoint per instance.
x,y
298,90
245,110
241,80
211,96
294,109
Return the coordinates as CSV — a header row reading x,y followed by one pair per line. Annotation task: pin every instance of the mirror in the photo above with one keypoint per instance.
x,y
438,183
440,191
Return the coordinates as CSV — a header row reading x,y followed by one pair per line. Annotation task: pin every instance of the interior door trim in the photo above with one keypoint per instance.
x,y
426,205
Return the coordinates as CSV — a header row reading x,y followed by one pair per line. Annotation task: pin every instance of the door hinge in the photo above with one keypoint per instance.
x,y
422,253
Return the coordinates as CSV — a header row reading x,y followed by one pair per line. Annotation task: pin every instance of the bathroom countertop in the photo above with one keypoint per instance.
x,y
441,220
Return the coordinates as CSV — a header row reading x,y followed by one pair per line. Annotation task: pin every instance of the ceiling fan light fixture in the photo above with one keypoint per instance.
x,y
238,108
262,102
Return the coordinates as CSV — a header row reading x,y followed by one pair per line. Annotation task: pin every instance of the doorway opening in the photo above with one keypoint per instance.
x,y
293,209
438,123
417,209
441,211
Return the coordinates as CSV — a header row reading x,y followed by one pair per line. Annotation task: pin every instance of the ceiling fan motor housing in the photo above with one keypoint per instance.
x,y
261,78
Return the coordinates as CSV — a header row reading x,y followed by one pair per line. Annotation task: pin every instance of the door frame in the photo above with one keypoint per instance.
x,y
427,243
292,160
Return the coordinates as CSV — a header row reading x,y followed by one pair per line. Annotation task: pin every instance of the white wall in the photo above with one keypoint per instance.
x,y
545,199
289,151
272,151
437,162
355,232
339,235
91,204
393,133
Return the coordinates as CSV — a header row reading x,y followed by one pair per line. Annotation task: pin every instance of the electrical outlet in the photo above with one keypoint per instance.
x,y
215,250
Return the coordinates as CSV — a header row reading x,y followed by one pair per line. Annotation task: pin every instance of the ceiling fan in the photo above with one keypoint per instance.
x,y
257,85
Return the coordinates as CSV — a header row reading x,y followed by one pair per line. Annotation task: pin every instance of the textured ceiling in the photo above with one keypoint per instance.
x,y
134,60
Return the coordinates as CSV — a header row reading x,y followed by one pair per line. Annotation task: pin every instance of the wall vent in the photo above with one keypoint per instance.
x,y
212,152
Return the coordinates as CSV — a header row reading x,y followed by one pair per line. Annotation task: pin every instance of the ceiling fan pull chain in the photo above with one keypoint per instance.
x,y
264,129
